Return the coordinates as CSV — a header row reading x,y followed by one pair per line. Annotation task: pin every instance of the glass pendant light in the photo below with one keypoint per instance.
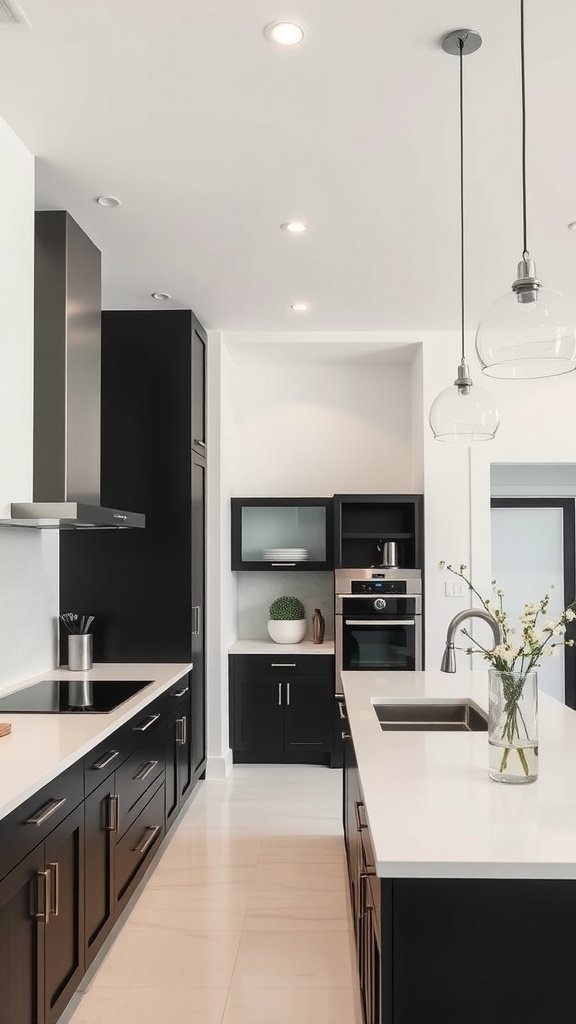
x,y
531,331
463,412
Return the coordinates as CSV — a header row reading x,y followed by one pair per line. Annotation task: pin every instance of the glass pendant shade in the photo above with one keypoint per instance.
x,y
518,340
464,414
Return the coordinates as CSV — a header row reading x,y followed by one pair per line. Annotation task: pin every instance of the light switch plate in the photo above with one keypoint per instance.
x,y
453,588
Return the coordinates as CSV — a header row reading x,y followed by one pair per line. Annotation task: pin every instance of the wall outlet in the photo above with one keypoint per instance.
x,y
453,588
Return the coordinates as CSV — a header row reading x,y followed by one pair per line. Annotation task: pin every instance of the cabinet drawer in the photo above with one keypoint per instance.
x,y
33,820
282,665
178,695
137,774
144,724
369,866
137,846
103,760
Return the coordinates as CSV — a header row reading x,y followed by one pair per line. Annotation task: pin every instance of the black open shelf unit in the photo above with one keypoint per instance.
x,y
361,520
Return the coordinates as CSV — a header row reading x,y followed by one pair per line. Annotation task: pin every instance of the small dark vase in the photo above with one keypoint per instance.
x,y
318,626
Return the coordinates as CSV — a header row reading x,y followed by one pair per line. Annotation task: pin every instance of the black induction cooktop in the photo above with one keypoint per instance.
x,y
71,696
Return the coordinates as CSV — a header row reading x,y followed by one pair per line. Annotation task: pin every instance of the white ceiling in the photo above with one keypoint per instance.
x,y
212,137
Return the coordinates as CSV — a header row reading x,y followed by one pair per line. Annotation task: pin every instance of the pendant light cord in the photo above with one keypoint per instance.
x,y
525,253
462,296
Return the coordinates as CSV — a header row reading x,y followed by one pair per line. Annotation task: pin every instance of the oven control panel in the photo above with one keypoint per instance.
x,y
378,586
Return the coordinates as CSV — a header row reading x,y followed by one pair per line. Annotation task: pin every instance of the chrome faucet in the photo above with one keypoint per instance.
x,y
449,656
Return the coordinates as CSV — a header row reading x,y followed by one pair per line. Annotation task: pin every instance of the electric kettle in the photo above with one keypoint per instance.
x,y
389,551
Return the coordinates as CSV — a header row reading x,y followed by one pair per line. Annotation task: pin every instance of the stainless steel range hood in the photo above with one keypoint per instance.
x,y
67,325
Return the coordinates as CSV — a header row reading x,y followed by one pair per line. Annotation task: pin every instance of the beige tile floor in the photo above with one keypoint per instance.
x,y
244,920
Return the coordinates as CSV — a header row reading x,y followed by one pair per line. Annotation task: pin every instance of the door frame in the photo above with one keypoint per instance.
x,y
568,508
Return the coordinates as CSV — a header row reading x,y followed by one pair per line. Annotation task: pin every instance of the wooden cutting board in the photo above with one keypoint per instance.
x,y
5,729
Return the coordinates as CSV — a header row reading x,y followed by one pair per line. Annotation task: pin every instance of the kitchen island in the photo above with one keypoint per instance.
x,y
463,889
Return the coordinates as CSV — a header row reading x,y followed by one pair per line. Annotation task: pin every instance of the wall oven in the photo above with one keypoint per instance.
x,y
378,620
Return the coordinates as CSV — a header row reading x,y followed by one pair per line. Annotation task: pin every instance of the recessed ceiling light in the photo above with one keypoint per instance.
x,y
572,225
300,307
284,33
161,296
295,227
108,201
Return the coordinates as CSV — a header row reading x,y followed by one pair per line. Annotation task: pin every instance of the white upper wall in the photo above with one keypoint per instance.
x,y
320,418
28,558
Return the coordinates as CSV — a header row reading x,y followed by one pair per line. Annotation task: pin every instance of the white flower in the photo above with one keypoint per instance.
x,y
505,653
441,565
569,615
559,630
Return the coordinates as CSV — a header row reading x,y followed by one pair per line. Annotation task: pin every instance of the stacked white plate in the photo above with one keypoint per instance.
x,y
286,554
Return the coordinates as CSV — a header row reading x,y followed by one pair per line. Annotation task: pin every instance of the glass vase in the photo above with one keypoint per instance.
x,y
513,727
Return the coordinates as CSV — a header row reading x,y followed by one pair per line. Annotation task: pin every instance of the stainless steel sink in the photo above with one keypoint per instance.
x,y
452,716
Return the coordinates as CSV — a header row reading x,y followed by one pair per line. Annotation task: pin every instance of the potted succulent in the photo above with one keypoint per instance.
x,y
287,623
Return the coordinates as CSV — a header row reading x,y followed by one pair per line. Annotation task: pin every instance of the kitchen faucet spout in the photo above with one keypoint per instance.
x,y
449,657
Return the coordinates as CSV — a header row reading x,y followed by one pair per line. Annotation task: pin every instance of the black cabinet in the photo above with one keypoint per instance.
x,y
42,927
64,955
282,710
22,941
179,764
101,808
280,534
199,390
363,521
197,735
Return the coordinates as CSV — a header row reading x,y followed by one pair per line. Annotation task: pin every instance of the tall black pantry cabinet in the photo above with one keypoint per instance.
x,y
146,588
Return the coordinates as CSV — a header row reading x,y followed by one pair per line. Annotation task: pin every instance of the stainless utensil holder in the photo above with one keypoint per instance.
x,y
80,652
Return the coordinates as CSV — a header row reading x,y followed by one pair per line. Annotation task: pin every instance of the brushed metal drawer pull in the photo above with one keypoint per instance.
x,y
114,813
283,565
146,724
145,770
282,664
346,736
359,823
153,830
43,897
288,694
105,760
201,444
180,693
341,709
46,812
54,907
279,695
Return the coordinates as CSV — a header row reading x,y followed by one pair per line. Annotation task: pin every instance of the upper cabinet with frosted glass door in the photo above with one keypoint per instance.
x,y
282,533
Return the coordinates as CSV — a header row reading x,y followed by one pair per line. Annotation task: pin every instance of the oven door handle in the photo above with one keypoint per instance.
x,y
380,622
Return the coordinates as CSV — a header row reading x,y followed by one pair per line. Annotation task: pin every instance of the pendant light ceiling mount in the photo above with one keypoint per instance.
x,y
463,412
470,39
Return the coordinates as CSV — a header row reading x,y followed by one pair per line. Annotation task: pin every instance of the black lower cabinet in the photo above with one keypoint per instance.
x,y
136,848
282,710
179,766
22,942
100,817
454,950
64,956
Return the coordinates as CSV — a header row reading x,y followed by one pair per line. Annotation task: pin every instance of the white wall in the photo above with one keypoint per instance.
x,y
28,559
257,590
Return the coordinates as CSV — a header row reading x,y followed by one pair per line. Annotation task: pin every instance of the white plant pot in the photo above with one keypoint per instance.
x,y
287,631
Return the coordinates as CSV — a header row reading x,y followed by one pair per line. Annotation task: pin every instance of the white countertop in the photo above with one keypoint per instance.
x,y
432,810
269,647
41,746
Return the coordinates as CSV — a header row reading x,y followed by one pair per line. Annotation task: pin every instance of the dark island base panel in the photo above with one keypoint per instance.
x,y
478,951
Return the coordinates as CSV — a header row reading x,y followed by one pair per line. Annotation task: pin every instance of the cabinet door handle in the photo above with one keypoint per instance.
x,y
346,736
180,693
341,709
201,444
184,731
279,695
46,812
181,731
282,664
359,823
113,813
146,724
43,897
196,620
54,906
145,770
283,565
147,843
105,760
288,694
381,623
